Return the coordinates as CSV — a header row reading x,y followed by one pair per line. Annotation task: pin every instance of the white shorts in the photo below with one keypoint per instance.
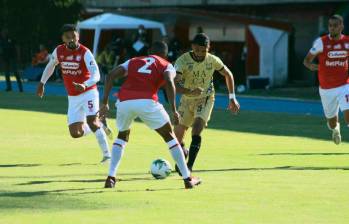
x,y
152,113
334,99
83,105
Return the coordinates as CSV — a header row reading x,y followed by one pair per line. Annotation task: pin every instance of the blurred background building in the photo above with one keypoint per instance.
x,y
263,40
266,38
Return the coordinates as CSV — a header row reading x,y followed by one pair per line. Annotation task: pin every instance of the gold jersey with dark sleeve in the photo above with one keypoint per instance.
x,y
194,74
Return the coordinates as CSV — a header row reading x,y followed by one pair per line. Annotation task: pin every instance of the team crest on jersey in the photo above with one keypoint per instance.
x,y
78,57
346,45
190,67
329,46
337,46
69,58
208,66
61,57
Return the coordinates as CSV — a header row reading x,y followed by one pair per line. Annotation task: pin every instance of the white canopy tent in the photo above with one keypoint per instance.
x,y
109,21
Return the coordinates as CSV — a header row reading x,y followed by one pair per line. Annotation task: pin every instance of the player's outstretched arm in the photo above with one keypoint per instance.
x,y
49,69
234,105
316,49
308,62
171,93
93,69
181,89
116,73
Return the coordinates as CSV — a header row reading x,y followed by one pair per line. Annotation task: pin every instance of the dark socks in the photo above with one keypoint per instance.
x,y
193,150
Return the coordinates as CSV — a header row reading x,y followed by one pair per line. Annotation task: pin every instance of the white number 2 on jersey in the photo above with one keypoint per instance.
x,y
145,68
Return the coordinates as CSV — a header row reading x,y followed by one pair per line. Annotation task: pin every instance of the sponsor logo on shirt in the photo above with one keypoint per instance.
x,y
209,66
69,58
337,54
336,63
190,66
71,72
338,46
70,65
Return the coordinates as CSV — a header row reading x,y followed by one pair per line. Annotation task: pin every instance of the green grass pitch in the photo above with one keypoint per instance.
x,y
263,168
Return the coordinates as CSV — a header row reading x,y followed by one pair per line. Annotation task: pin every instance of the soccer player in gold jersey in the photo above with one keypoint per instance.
x,y
194,81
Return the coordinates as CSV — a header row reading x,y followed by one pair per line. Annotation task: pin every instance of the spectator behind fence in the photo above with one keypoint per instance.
x,y
9,55
117,46
39,62
41,58
174,49
106,60
140,44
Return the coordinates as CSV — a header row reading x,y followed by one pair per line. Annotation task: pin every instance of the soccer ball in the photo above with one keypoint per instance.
x,y
160,169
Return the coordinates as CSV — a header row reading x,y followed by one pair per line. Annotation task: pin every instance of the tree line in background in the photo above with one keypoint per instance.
x,y
34,22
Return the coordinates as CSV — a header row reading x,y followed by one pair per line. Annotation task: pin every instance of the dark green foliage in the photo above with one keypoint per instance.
x,y
32,22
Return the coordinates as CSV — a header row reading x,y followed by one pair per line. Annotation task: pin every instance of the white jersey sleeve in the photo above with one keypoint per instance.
x,y
125,65
50,67
171,69
92,67
318,47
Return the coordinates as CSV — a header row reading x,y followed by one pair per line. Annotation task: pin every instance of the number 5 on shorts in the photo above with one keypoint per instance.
x,y
90,104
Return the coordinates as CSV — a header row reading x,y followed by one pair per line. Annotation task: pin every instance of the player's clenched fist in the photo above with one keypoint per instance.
x,y
196,92
79,87
176,118
234,106
103,110
313,67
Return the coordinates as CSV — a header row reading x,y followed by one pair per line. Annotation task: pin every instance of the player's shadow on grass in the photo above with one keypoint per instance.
x,y
84,181
273,168
306,154
70,164
39,193
129,190
18,165
77,191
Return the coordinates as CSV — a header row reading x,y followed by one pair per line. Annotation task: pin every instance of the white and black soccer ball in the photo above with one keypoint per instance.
x,y
160,169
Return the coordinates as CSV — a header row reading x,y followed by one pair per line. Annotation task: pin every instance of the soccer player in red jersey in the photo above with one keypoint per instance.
x,y
332,51
138,98
80,74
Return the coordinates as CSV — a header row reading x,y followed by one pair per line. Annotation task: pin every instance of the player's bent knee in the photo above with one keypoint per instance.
x,y
124,135
166,132
198,126
93,124
76,130
76,134
180,131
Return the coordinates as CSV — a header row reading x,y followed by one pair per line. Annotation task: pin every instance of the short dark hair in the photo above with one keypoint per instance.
x,y
201,39
159,47
337,17
68,27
